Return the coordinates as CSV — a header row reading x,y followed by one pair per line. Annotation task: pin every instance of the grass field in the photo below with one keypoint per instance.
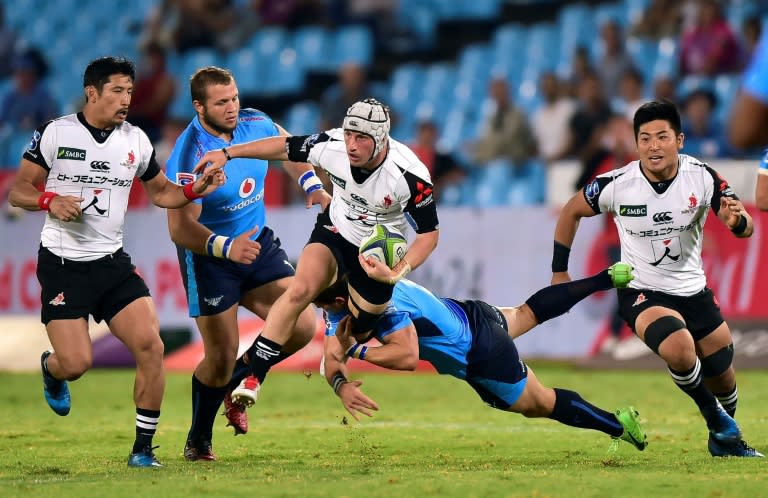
x,y
432,437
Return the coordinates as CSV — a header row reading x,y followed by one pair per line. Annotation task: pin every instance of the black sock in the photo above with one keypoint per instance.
x,y
571,409
690,381
206,401
265,354
729,400
146,425
555,300
243,369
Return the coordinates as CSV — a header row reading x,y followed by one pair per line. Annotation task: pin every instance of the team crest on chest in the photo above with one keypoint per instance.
x,y
130,160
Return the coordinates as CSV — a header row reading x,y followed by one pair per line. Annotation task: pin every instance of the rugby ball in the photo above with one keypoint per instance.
x,y
385,244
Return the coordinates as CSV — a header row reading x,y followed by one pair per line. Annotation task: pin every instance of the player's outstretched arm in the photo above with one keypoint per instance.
x,y
166,194
565,231
352,397
271,149
24,194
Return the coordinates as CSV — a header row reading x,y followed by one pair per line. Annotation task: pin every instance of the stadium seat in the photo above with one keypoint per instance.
x,y
13,148
285,74
244,64
642,50
302,118
480,9
312,45
634,9
352,44
438,83
726,86
667,61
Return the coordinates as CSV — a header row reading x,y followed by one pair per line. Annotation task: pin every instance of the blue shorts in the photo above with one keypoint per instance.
x,y
494,367
213,285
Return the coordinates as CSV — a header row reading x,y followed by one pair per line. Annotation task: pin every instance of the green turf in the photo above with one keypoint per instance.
x,y
432,437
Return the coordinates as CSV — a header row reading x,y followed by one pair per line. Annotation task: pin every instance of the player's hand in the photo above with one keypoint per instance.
x,y
319,197
244,250
560,277
212,160
344,334
209,181
65,207
355,401
377,270
731,211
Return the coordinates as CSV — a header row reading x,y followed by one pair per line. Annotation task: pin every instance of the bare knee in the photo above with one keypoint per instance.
x,y
74,366
678,351
299,294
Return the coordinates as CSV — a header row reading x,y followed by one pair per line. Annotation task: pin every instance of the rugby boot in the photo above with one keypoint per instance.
x,y
56,391
236,414
247,392
633,432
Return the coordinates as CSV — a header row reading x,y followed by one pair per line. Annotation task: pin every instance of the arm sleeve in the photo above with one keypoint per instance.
x,y
720,188
420,209
42,148
593,194
152,169
148,168
299,147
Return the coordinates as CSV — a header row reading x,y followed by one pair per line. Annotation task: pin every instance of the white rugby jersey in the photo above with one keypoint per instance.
x,y
399,187
101,172
661,229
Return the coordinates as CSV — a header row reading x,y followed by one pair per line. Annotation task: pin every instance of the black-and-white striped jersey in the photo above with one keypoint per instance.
x,y
661,225
100,173
400,187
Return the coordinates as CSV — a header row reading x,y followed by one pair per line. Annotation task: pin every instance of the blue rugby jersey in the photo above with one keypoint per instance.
x,y
238,205
442,327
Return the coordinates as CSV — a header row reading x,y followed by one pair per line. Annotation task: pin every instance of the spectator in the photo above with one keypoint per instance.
x,y
751,30
661,19
704,137
352,87
614,60
665,88
7,46
587,126
443,169
709,47
506,133
550,121
581,64
153,92
630,93
172,128
28,103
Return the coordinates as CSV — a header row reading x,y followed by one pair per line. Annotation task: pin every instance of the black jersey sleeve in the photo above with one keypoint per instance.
x,y
298,146
721,189
33,151
153,169
420,208
593,189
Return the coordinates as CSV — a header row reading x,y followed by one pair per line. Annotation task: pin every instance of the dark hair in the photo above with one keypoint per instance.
x,y
99,70
205,77
338,289
657,109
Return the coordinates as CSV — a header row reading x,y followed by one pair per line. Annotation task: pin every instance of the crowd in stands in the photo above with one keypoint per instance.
x,y
487,123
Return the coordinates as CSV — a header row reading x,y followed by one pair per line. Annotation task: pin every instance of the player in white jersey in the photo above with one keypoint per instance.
x,y
377,180
88,162
659,205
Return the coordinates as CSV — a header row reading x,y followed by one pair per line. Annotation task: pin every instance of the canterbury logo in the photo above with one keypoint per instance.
x,y
100,165
663,217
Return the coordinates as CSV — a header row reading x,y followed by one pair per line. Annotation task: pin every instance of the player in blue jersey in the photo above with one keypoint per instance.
x,y
472,341
229,257
749,118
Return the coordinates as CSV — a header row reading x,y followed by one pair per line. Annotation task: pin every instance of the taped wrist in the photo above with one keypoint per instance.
x,y
405,269
560,255
357,351
189,192
337,381
310,182
218,246
741,226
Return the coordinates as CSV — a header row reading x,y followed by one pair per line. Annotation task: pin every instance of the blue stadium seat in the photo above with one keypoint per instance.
x,y
438,83
667,60
480,9
726,87
193,60
529,185
694,82
312,46
405,88
634,9
492,183
248,72
267,42
643,51
14,147
353,44
302,118
285,74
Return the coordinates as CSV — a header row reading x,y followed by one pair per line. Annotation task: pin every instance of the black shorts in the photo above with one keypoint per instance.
x,y
700,311
345,253
76,289
213,285
494,368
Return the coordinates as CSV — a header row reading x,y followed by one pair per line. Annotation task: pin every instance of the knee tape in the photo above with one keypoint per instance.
x,y
718,362
659,330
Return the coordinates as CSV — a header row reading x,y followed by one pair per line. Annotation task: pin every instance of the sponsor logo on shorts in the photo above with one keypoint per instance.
x,y
213,301
58,300
331,228
635,210
640,300
71,154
